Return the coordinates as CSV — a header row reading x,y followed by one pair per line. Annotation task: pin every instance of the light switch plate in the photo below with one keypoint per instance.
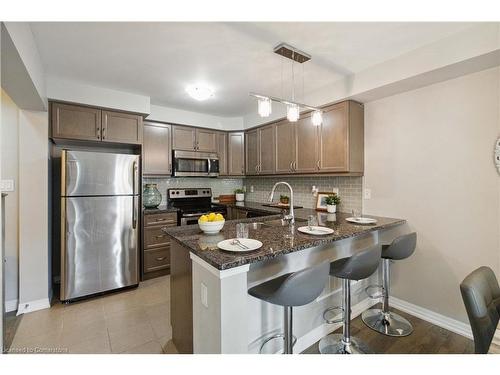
x,y
7,185
335,191
204,295
368,194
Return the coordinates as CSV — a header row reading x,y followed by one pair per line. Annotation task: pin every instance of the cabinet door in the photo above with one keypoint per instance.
x,y
252,152
75,122
236,154
333,136
183,138
206,140
222,152
120,127
156,149
285,146
266,150
306,152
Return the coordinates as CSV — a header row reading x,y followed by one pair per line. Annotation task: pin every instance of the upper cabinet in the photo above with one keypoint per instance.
x,y
121,127
336,146
236,154
193,139
75,122
93,124
260,150
156,149
222,152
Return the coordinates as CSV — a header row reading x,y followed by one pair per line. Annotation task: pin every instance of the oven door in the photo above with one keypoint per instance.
x,y
195,164
188,219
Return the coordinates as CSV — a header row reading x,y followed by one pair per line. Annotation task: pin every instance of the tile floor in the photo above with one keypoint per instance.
x,y
133,321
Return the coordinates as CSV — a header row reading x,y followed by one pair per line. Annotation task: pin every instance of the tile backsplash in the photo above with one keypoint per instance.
x,y
218,185
350,188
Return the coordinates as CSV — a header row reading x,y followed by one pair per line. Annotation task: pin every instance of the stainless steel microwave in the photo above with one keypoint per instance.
x,y
194,164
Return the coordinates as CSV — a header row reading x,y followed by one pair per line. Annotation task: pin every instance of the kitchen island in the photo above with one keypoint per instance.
x,y
211,311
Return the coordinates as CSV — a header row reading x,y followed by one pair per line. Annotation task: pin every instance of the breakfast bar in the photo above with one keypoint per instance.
x,y
211,311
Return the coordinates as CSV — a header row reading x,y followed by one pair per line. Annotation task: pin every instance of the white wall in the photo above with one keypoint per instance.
x,y
429,159
9,170
34,286
179,116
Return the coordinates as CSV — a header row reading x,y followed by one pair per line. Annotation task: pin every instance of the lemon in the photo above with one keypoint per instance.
x,y
211,216
219,217
203,218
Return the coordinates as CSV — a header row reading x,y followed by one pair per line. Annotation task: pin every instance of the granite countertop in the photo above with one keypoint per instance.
x,y
277,240
162,208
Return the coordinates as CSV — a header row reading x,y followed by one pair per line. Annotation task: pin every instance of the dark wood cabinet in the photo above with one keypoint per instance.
x,y
194,139
156,244
285,147
306,146
260,145
156,149
236,154
75,122
118,127
252,152
222,152
85,123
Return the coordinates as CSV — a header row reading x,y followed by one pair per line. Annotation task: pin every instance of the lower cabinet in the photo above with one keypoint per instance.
x,y
156,244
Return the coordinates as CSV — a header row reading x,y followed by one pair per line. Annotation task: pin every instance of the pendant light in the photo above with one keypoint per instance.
x,y
292,112
317,118
264,107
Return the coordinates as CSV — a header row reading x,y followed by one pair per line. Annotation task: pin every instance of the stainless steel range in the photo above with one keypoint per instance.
x,y
192,203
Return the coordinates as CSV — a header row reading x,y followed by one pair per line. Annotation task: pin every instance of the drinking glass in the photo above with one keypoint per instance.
x,y
356,214
312,221
241,230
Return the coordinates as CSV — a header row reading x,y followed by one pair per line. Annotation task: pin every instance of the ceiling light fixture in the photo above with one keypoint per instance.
x,y
199,92
293,108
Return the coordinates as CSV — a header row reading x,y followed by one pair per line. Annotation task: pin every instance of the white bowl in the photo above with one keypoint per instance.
x,y
211,227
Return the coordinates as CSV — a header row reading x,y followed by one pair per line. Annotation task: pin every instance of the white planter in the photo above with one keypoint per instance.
x,y
331,208
240,197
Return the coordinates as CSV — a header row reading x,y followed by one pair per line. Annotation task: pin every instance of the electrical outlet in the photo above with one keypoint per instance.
x,y
251,188
245,188
204,295
368,194
6,185
335,191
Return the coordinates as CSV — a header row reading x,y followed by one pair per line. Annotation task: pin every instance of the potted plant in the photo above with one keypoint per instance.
x,y
331,203
284,199
240,195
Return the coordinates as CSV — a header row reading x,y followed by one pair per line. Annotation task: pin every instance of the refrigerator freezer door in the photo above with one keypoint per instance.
x,y
100,245
98,173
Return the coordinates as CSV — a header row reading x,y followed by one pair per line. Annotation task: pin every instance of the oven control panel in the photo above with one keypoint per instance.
x,y
189,193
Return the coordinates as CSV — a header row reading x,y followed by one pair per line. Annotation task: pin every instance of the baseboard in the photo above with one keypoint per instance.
x,y
321,331
31,306
442,321
11,305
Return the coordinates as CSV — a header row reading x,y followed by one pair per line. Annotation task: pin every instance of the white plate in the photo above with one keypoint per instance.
x,y
361,220
248,242
316,231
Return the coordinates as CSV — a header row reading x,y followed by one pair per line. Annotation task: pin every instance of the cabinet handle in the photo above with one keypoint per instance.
x,y
317,165
294,166
160,236
169,167
97,132
104,133
256,168
159,259
291,168
260,168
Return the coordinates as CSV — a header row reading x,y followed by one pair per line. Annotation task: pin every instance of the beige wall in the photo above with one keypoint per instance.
x,y
9,167
429,159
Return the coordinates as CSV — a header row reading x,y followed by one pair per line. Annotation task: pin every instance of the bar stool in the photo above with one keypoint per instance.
x,y
292,289
357,267
383,320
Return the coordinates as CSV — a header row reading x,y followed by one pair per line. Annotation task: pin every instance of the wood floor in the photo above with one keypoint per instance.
x,y
426,338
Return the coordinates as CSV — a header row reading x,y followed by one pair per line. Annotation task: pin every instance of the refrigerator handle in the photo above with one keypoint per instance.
x,y
134,178
134,212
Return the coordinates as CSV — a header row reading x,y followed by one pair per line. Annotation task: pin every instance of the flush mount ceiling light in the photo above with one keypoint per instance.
x,y
199,92
293,108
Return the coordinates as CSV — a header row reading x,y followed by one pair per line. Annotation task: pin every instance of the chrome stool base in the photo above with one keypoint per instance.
x,y
389,324
334,344
277,336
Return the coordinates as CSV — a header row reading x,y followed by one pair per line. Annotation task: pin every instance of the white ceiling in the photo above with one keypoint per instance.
x,y
160,59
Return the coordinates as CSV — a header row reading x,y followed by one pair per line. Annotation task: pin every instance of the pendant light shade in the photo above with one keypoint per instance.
x,y
317,118
292,112
264,107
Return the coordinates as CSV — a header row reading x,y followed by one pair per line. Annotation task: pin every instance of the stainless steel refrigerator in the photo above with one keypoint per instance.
x,y
99,222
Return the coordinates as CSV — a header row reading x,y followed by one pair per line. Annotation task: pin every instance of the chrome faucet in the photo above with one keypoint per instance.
x,y
290,217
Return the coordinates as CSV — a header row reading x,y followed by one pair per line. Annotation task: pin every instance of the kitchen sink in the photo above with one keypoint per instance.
x,y
271,223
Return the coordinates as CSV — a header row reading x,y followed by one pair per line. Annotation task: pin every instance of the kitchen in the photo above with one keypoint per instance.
x,y
175,215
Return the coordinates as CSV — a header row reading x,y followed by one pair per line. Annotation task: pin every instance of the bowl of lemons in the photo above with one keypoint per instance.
x,y
211,223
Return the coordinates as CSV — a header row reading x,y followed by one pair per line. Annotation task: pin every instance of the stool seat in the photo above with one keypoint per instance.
x,y
357,267
401,248
289,290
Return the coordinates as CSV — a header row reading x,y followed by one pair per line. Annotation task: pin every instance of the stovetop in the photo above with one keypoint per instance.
x,y
201,209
